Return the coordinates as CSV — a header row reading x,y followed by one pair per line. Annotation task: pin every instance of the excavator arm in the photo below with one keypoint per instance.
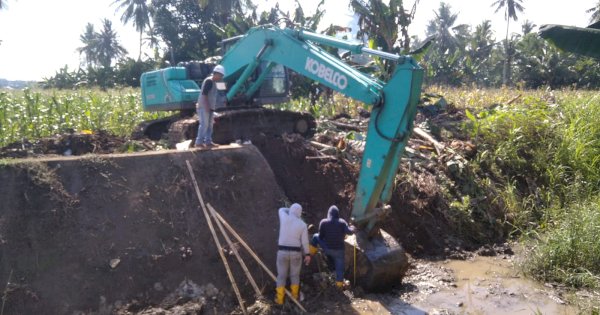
x,y
393,102
381,260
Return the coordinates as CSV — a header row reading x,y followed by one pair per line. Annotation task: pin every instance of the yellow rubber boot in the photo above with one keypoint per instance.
x,y
339,284
279,295
295,290
312,250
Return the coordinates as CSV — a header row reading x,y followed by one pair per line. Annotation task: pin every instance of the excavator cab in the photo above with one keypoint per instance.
x,y
178,88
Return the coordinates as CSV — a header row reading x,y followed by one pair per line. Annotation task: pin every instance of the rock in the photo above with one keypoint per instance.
x,y
210,290
114,263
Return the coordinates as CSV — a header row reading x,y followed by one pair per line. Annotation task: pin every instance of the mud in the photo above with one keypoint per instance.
x,y
478,285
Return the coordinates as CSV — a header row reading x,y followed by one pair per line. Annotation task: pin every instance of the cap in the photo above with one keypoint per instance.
x,y
219,69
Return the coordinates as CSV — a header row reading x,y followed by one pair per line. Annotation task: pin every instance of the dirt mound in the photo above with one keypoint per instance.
x,y
305,178
94,233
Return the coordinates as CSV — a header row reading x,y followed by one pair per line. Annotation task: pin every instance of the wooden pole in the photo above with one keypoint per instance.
x,y
253,254
217,242
235,252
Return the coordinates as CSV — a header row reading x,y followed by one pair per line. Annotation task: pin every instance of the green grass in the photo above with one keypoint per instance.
x,y
569,252
32,114
544,151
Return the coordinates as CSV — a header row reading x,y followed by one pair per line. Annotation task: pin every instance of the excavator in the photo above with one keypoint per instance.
x,y
251,61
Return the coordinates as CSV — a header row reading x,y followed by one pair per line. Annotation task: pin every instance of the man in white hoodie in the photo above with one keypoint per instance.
x,y
293,242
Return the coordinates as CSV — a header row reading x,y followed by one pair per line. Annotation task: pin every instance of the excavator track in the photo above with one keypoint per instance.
x,y
230,125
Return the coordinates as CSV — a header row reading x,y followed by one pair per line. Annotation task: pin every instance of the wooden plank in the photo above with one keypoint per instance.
x,y
217,242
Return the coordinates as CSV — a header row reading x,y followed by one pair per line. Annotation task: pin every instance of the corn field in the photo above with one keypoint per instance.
x,y
31,114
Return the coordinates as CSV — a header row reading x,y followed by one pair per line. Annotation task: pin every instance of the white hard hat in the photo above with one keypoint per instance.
x,y
219,69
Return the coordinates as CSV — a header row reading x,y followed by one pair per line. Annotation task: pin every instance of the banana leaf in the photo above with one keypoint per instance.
x,y
578,40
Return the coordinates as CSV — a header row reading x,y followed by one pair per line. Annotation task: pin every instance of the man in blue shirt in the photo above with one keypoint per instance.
x,y
330,238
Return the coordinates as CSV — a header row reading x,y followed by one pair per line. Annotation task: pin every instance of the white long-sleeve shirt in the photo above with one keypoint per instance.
x,y
292,230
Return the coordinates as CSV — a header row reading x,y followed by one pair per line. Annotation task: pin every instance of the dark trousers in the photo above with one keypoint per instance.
x,y
335,257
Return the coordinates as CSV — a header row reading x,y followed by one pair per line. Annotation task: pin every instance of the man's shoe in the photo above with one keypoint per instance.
x,y
211,145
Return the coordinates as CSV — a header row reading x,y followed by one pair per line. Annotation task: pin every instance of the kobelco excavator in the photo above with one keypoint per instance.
x,y
249,62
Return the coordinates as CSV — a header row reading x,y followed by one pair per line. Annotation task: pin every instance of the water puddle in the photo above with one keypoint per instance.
x,y
483,285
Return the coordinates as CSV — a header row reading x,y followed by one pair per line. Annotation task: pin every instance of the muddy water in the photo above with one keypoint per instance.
x,y
482,285
491,286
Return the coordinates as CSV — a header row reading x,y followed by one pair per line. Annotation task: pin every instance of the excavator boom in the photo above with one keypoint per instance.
x,y
382,260
393,102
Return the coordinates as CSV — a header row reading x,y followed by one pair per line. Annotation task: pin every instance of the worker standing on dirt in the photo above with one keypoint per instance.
x,y
293,241
332,231
208,101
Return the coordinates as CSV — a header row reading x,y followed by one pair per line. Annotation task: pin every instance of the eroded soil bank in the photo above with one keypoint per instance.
x,y
83,234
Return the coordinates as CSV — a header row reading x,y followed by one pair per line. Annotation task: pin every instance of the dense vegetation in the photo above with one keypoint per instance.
x,y
543,153
32,114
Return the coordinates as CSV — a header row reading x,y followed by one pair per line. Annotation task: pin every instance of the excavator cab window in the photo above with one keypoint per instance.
x,y
276,82
275,88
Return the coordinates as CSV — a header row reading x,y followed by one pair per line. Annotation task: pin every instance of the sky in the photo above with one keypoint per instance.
x,y
40,37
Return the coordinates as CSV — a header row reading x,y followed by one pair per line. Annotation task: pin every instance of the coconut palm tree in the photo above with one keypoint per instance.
x,y
90,43
108,46
447,52
595,11
527,27
510,7
139,12
479,62
442,27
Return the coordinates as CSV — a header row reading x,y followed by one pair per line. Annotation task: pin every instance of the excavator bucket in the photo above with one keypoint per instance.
x,y
375,263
